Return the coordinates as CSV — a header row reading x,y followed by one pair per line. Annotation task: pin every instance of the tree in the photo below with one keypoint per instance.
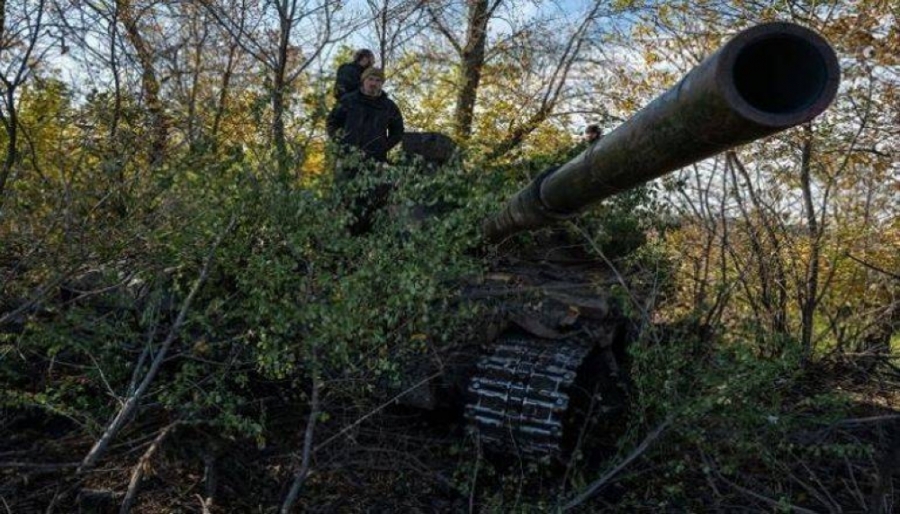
x,y
559,56
396,23
201,64
471,51
23,46
793,207
286,37
130,17
515,63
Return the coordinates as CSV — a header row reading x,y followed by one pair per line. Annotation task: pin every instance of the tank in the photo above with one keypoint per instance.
x,y
552,348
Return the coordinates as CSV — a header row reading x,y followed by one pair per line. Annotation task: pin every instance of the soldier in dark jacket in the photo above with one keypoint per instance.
x,y
349,75
368,122
367,119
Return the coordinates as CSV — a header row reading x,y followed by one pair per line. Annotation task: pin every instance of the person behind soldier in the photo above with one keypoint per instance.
x,y
370,124
349,74
592,133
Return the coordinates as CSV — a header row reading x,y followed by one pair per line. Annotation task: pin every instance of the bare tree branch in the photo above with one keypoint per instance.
x,y
137,473
598,484
132,402
306,455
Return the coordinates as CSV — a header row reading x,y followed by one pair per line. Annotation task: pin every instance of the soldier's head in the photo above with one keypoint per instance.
x,y
372,81
364,57
592,133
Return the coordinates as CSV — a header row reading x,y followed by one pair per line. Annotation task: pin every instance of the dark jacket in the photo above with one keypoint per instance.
x,y
349,78
373,125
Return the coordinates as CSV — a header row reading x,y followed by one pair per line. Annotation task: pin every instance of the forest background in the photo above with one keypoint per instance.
x,y
186,324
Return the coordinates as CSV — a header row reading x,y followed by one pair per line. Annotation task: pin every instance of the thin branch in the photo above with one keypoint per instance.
x,y
873,267
138,472
132,402
474,484
635,302
378,409
598,484
239,33
873,419
38,466
765,499
203,504
442,28
303,471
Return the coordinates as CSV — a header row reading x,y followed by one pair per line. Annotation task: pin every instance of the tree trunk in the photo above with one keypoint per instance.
x,y
278,89
10,122
473,55
193,123
221,104
810,290
278,136
149,81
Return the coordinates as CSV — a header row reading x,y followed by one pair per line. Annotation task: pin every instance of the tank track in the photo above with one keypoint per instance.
x,y
519,394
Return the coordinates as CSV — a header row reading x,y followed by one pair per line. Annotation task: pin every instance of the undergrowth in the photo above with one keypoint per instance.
x,y
292,301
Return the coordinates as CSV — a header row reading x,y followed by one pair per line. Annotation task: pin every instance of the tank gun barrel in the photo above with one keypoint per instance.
x,y
767,78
